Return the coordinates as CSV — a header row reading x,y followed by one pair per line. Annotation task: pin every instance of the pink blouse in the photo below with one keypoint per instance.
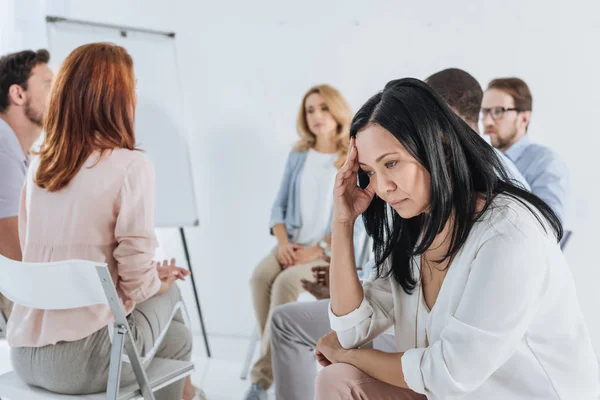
x,y
105,214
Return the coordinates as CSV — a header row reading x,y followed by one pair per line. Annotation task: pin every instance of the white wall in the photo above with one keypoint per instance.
x,y
245,66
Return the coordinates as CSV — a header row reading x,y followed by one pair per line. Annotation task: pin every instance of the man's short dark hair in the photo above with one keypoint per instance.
x,y
460,90
15,69
517,88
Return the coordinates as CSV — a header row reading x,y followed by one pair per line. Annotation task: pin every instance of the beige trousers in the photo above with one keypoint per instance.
x,y
345,382
271,286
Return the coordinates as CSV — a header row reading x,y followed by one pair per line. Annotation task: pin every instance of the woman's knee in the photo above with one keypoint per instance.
x,y
336,381
286,288
178,342
174,294
265,272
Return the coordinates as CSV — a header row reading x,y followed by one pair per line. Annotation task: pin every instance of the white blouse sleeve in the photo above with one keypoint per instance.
x,y
373,317
508,279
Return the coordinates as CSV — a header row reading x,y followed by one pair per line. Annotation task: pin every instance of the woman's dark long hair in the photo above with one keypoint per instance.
x,y
463,169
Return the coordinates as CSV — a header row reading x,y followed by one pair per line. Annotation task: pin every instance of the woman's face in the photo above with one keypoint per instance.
x,y
320,121
395,176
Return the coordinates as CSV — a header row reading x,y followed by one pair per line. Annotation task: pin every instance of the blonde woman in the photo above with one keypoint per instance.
x,y
301,215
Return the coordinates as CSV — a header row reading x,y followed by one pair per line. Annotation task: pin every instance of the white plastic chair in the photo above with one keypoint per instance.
x,y
72,284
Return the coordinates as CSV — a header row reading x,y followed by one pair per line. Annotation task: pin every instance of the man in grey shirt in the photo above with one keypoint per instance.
x,y
25,81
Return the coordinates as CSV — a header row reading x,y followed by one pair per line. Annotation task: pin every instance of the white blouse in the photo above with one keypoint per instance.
x,y
506,323
316,196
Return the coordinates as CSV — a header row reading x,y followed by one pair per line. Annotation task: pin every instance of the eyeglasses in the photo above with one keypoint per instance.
x,y
497,113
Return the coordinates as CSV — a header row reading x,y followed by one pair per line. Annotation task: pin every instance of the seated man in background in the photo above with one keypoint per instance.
x,y
25,81
506,114
296,327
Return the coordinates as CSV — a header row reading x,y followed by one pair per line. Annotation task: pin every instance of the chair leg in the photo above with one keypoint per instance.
x,y
116,360
250,353
138,368
123,333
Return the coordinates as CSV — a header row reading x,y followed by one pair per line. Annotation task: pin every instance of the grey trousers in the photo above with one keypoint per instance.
x,y
81,367
295,330
271,286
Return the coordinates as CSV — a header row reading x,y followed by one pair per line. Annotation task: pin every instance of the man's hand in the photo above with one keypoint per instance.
x,y
321,275
320,286
319,291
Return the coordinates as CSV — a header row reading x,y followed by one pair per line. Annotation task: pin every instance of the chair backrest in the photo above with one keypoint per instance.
x,y
55,285
565,239
73,284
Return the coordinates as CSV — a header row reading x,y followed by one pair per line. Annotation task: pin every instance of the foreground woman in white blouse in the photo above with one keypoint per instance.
x,y
469,271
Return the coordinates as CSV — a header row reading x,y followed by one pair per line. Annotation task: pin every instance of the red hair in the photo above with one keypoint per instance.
x,y
91,107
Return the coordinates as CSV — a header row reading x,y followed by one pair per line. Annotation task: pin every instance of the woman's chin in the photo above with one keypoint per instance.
x,y
405,212
324,133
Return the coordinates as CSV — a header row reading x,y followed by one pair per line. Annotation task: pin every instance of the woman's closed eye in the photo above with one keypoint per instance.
x,y
388,165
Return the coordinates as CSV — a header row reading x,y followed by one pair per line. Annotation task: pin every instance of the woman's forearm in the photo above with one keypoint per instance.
x,y
346,289
385,367
164,286
281,234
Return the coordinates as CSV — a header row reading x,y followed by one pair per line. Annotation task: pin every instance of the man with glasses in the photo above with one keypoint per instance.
x,y
505,114
463,94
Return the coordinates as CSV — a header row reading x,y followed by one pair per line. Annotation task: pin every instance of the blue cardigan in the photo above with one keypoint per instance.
x,y
286,208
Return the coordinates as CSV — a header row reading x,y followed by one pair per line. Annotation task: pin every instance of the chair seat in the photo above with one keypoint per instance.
x,y
161,373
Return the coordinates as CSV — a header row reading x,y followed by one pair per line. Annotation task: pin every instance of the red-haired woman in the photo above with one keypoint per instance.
x,y
90,195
